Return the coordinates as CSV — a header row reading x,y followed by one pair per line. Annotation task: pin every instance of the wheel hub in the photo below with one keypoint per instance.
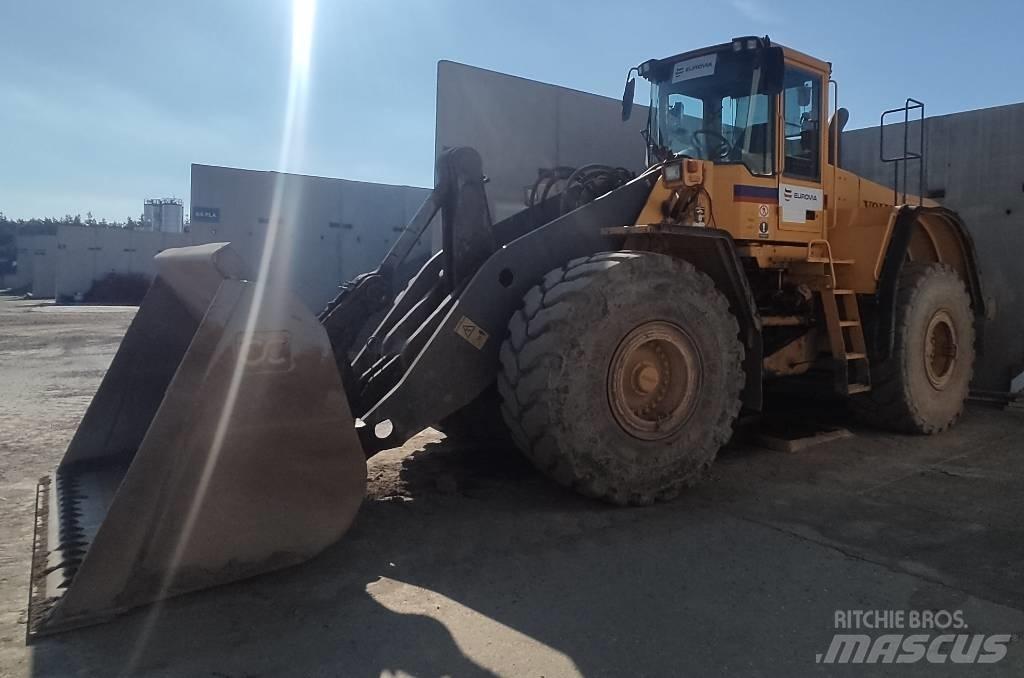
x,y
654,379
940,349
646,378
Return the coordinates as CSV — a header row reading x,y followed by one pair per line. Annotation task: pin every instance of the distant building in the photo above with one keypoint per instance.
x,y
327,230
166,215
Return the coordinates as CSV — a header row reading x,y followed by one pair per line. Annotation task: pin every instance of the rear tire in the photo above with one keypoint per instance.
x,y
922,387
621,375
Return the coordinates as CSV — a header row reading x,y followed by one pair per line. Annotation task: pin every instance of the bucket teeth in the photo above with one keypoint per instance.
x,y
73,547
63,558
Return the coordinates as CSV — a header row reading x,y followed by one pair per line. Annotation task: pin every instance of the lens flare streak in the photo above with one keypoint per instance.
x,y
274,264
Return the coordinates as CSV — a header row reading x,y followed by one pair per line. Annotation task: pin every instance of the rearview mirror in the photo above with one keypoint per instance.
x,y
627,99
804,97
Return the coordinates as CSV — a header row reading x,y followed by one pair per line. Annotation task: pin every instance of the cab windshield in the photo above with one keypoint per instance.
x,y
713,107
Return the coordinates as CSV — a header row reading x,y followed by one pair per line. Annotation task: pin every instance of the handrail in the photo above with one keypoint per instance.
x,y
828,253
909,105
833,140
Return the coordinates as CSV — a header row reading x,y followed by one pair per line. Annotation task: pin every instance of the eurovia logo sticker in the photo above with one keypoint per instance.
x,y
811,198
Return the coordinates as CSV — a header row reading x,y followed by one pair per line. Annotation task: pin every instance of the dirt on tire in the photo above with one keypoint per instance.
x,y
902,398
555,366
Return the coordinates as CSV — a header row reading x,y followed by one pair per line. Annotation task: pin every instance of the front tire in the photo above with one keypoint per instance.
x,y
621,375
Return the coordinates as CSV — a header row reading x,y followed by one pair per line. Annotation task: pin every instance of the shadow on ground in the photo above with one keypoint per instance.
x,y
463,561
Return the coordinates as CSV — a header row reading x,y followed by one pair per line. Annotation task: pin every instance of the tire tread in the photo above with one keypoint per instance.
x,y
533,346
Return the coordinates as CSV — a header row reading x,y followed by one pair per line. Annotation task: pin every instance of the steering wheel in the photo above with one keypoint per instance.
x,y
720,150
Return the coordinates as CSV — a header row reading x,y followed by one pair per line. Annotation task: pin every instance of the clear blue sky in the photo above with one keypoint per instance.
x,y
106,102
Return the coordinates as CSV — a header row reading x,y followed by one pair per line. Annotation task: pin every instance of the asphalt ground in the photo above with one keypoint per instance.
x,y
465,561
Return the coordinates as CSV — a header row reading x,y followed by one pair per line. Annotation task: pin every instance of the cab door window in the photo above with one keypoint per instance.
x,y
801,105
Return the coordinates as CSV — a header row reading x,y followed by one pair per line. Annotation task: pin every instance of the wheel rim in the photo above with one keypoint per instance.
x,y
654,379
940,349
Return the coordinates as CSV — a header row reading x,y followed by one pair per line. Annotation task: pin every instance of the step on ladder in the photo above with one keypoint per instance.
x,y
845,330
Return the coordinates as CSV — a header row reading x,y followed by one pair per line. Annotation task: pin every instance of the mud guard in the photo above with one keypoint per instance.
x,y
884,301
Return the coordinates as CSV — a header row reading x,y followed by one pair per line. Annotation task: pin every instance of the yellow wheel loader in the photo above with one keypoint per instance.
x,y
619,325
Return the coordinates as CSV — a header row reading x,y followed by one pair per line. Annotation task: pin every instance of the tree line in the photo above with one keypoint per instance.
x,y
48,225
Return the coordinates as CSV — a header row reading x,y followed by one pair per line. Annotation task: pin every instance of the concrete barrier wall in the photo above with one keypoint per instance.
x,y
974,164
86,254
29,248
22,277
43,251
521,125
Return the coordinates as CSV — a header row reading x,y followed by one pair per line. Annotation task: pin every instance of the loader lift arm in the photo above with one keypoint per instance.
x,y
456,343
483,264
459,196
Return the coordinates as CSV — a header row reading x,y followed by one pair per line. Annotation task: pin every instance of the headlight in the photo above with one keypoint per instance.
x,y
672,173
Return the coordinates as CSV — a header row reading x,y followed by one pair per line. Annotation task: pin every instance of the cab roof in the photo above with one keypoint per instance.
x,y
790,54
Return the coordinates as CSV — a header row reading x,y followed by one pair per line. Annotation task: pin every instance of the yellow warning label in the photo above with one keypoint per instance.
x,y
471,332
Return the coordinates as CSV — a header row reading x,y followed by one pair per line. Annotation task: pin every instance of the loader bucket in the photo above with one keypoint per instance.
x,y
219,445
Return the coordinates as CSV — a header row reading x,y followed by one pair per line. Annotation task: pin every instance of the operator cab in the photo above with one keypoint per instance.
x,y
722,104
749,118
